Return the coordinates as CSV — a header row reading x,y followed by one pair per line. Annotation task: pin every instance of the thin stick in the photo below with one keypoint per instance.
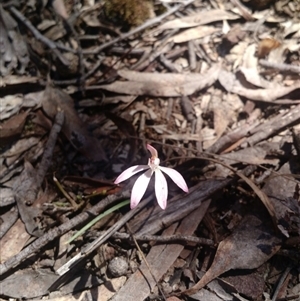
x,y
147,264
53,46
166,239
280,67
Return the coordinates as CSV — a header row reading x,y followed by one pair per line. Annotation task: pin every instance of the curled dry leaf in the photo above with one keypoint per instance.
x,y
252,77
230,82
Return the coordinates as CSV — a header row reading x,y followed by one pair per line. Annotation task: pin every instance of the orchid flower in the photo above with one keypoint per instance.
x,y
141,184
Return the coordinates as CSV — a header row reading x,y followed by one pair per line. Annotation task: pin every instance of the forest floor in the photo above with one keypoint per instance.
x,y
86,86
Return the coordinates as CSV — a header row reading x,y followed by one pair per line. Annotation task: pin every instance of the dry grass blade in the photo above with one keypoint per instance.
x,y
262,196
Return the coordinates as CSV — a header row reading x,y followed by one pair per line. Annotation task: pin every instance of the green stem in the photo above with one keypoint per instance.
x,y
98,218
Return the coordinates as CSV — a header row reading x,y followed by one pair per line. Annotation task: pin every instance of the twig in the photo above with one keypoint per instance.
x,y
244,11
280,67
149,57
79,53
273,126
142,27
168,64
289,297
13,167
53,46
165,239
147,264
192,55
280,283
48,153
231,138
31,189
38,244
66,195
7,223
29,182
94,69
200,51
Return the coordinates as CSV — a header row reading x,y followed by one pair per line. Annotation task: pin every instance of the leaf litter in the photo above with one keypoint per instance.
x,y
213,86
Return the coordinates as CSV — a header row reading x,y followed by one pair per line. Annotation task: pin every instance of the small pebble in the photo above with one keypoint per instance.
x,y
117,267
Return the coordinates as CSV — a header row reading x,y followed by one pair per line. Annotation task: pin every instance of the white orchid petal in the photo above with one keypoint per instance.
x,y
139,188
129,172
176,177
152,150
161,189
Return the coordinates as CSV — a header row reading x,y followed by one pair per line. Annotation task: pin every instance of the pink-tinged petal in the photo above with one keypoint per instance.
x,y
129,172
176,177
161,189
152,150
139,188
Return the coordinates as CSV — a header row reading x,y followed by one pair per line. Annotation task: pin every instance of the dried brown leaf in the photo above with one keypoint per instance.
x,y
60,9
31,284
164,85
7,196
266,46
73,128
10,80
262,196
13,241
10,105
8,60
24,187
13,48
279,189
21,146
128,130
250,60
13,127
251,155
105,292
194,33
248,247
200,18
